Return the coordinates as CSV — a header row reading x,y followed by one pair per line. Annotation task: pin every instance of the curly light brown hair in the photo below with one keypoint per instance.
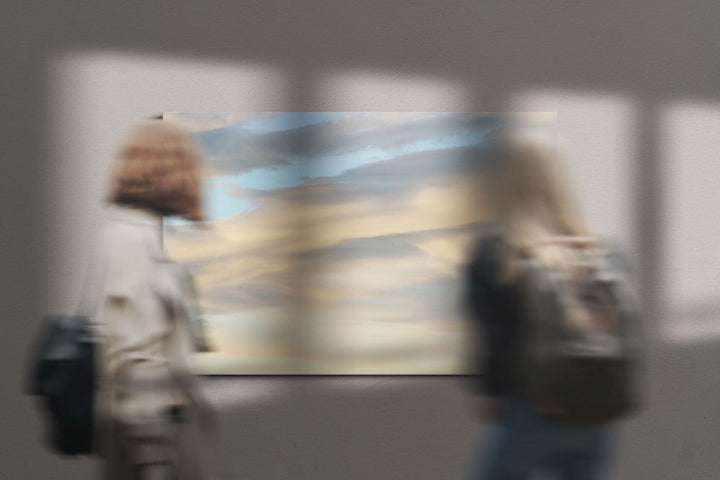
x,y
157,169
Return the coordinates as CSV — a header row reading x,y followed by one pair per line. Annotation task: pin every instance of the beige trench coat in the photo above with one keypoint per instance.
x,y
140,315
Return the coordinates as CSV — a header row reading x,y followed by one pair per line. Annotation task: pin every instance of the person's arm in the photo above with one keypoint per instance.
x,y
190,309
183,344
180,348
491,335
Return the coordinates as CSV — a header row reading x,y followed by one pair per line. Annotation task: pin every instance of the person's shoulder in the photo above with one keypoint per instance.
x,y
116,233
132,233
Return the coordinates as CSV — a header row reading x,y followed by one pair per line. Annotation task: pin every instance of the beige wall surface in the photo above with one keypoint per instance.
x,y
638,101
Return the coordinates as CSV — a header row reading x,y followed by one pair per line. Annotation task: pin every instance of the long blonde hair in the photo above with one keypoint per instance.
x,y
530,198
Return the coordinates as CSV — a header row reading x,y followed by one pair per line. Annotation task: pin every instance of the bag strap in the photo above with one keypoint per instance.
x,y
94,282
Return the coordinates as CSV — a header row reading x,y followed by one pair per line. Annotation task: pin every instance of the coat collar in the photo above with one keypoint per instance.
x,y
136,215
152,225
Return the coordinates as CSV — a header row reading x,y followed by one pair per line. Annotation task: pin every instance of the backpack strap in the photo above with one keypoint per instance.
x,y
94,282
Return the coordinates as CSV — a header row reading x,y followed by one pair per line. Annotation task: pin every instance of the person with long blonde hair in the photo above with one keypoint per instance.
x,y
149,404
533,214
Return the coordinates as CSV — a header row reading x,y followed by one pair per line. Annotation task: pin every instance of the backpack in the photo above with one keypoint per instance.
x,y
578,362
62,369
62,375
62,366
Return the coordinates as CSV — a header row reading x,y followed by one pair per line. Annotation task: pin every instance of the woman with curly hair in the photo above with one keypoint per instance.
x,y
149,404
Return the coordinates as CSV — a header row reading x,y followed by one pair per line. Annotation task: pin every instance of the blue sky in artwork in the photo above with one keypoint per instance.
x,y
337,164
289,120
222,201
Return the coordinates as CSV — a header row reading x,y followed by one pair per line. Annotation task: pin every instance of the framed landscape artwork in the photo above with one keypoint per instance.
x,y
334,241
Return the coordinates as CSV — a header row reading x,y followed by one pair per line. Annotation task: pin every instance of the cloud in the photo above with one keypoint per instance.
x,y
232,150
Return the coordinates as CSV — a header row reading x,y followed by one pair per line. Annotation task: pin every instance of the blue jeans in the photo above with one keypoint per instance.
x,y
525,443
